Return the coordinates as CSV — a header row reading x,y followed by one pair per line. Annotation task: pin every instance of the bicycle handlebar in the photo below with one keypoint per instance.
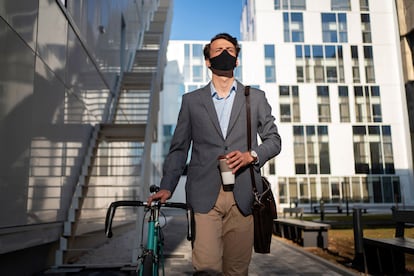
x,y
136,203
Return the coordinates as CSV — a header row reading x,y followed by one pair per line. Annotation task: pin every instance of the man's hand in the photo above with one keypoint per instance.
x,y
162,195
237,159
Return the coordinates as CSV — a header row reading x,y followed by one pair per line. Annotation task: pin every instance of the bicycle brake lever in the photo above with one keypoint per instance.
x,y
154,188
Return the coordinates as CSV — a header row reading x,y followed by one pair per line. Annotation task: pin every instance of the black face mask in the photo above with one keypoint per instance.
x,y
224,61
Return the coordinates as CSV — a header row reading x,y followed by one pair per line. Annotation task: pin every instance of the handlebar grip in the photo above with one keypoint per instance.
x,y
190,225
111,213
175,205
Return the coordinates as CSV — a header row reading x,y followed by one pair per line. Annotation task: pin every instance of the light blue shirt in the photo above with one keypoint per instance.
x,y
223,106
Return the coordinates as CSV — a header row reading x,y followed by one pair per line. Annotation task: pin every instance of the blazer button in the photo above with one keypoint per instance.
x,y
226,148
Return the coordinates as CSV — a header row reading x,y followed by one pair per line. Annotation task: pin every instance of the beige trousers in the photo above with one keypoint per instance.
x,y
223,239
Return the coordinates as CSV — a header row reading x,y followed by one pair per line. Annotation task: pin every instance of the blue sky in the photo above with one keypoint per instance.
x,y
202,19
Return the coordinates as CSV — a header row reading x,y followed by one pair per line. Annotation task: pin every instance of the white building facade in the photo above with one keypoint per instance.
x,y
331,70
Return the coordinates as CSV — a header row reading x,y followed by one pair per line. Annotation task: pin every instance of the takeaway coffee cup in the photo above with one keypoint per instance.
x,y
227,176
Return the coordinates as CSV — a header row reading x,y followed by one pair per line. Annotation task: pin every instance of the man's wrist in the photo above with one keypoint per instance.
x,y
255,157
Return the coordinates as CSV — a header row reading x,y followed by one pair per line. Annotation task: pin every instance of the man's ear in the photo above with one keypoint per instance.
x,y
237,62
208,64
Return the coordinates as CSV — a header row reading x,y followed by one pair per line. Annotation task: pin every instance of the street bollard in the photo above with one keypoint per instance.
x,y
322,208
358,261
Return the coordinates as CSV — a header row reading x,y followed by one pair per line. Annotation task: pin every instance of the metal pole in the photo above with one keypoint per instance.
x,y
322,208
358,261
347,200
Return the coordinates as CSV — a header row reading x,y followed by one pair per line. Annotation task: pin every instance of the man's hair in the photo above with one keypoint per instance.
x,y
225,36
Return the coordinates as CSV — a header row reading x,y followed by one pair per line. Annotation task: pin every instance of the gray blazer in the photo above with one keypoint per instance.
x,y
198,129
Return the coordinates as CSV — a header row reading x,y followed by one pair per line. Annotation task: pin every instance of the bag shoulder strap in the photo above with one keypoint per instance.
x,y
249,134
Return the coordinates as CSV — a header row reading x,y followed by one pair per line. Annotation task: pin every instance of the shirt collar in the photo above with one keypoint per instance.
x,y
214,91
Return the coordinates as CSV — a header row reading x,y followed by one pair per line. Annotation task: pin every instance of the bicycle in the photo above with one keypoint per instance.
x,y
152,257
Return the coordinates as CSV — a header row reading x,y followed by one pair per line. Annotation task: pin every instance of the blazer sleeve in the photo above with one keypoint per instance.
x,y
271,143
176,159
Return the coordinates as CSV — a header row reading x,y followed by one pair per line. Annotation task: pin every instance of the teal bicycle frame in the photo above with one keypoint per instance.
x,y
155,245
152,256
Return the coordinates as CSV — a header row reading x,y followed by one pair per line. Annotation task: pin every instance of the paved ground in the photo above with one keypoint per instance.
x,y
284,259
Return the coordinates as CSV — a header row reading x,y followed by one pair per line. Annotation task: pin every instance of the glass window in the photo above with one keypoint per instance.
x,y
367,104
290,4
270,71
317,51
335,193
355,74
322,91
388,152
368,52
293,190
286,27
197,50
298,49
376,188
297,27
354,52
321,63
269,51
376,113
355,64
289,104
356,189
325,189
187,51
311,150
299,149
284,90
293,27
303,190
375,91
344,113
387,188
307,49
370,75
331,74
366,28
329,28
376,156
300,74
330,51
340,5
319,74
312,183
324,162
197,73
343,91
342,28
373,152
334,27
168,130
276,4
187,69
340,52
285,115
363,5
298,4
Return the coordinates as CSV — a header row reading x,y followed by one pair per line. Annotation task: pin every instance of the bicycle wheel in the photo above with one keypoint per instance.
x,y
147,265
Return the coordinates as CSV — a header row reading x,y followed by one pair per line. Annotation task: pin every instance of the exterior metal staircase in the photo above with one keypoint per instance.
x,y
117,163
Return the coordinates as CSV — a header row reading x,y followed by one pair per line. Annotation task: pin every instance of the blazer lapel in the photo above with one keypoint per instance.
x,y
211,110
238,103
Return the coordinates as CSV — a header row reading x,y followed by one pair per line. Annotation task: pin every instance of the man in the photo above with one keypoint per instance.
x,y
212,122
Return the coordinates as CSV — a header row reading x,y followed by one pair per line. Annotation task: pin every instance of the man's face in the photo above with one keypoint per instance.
x,y
218,46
